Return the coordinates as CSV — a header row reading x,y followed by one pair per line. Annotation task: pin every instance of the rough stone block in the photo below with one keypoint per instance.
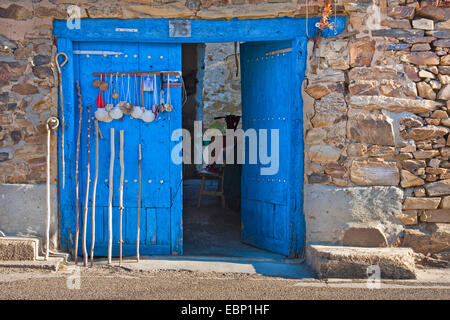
x,y
330,211
361,53
428,238
445,204
409,217
410,180
440,188
374,173
421,203
393,104
437,216
352,262
364,237
370,128
12,248
421,58
429,10
424,24
323,153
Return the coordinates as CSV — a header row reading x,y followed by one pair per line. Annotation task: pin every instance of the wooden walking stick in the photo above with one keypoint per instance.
x,y
139,207
77,197
59,66
94,192
52,124
86,197
122,172
111,177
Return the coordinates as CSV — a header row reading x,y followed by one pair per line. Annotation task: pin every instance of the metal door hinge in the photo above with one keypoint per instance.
x,y
99,53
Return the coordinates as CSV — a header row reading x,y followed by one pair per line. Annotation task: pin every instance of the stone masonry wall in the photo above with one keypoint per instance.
x,y
377,114
222,87
375,105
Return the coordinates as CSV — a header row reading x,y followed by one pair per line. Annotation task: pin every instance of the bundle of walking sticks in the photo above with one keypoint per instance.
x,y
94,189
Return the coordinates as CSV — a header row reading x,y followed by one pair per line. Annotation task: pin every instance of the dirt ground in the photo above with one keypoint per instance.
x,y
111,282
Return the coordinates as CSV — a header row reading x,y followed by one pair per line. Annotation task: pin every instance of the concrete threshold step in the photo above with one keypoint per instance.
x,y
361,262
280,259
52,264
266,267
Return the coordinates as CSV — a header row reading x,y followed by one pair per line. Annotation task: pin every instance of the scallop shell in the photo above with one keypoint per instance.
x,y
148,116
102,115
116,113
137,112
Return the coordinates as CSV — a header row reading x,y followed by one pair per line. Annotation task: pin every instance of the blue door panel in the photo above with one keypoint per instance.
x,y
159,206
263,233
268,101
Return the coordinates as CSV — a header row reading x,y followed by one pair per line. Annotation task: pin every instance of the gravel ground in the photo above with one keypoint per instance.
x,y
106,282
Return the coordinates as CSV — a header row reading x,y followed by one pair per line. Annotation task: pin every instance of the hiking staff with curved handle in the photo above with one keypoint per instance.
x,y
59,66
52,124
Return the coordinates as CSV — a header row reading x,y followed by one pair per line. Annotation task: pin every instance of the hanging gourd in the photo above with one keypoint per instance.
x,y
101,114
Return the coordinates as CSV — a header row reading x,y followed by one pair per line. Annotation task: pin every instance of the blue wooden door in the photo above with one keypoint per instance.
x,y
161,206
272,73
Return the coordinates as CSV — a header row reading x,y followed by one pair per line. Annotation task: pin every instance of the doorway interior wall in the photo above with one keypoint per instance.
x,y
264,38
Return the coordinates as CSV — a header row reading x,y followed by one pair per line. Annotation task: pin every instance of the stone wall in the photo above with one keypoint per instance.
x,y
222,85
375,105
377,114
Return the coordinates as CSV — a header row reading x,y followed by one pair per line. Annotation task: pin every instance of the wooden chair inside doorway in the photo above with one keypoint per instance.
x,y
232,123
208,175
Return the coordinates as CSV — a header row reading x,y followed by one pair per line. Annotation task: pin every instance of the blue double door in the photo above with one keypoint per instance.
x,y
272,217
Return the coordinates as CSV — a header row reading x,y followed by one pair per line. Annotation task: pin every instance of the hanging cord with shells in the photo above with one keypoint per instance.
x,y
116,113
168,106
125,105
137,110
148,115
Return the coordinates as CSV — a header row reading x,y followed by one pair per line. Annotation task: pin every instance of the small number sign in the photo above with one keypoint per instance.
x,y
179,28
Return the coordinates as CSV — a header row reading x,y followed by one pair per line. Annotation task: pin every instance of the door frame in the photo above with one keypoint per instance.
x,y
202,31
